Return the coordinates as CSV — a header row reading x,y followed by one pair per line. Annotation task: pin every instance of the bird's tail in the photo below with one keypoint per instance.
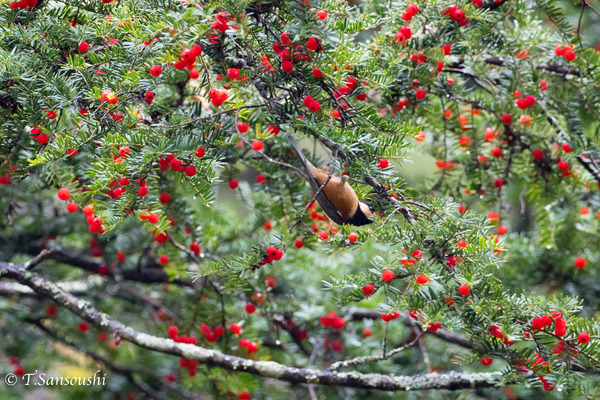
x,y
305,163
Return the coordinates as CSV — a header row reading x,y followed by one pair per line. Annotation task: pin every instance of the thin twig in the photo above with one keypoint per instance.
x,y
31,264
378,357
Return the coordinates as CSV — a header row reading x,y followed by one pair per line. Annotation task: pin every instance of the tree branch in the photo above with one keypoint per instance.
x,y
269,369
147,273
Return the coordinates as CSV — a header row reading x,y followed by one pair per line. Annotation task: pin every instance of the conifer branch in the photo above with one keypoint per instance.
x,y
269,369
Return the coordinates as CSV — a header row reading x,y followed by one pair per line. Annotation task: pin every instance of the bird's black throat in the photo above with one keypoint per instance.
x,y
359,218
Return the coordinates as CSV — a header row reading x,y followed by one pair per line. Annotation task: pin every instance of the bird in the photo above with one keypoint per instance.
x,y
337,198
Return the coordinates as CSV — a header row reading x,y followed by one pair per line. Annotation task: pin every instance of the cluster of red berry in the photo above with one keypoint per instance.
x,y
38,135
331,320
248,345
18,369
525,102
387,317
411,11
456,14
221,22
272,254
176,165
566,52
211,335
23,4
217,96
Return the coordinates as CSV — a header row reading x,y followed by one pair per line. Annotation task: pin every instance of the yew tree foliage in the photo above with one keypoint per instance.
x,y
501,103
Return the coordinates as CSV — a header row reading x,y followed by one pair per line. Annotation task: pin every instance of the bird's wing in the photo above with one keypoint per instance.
x,y
322,199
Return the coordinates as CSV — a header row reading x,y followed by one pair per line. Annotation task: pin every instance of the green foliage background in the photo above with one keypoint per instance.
x,y
41,69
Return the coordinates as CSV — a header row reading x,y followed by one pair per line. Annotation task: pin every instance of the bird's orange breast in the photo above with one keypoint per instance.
x,y
341,195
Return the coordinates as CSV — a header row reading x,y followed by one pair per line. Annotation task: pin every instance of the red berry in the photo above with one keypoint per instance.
x,y
580,263
88,210
506,119
270,281
583,338
383,163
250,308
72,207
497,152
464,289
322,15
584,210
464,141
422,279
314,106
324,235
287,66
537,155
387,275
164,259
537,323
235,329
233,74
298,243
563,165
172,331
486,361
273,130
233,184
420,94
149,97
200,152
190,170
462,244
245,395
368,290
156,70
195,247
530,101
196,50
312,44
498,183
153,218
42,138
64,194
243,127
317,73
257,145
142,191
83,327
51,311
412,9
164,198
570,55
194,73
522,103
83,47
352,237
